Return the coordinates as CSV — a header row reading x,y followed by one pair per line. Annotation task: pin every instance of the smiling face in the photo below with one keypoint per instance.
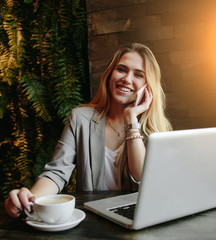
x,y
127,77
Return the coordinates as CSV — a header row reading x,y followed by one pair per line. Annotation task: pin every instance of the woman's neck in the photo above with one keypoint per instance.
x,y
116,112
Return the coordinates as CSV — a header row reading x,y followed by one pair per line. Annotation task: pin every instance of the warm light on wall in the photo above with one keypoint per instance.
x,y
212,36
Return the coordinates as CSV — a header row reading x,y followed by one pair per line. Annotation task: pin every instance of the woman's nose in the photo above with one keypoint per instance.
x,y
129,77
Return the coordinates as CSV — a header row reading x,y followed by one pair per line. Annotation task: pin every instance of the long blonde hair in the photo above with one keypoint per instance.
x,y
153,120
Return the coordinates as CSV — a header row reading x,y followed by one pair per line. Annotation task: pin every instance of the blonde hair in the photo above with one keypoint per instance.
x,y
153,120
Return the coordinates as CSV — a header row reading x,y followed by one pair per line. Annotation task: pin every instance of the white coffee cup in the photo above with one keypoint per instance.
x,y
52,209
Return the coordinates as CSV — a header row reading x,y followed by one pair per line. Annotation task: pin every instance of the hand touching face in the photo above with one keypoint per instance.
x,y
132,111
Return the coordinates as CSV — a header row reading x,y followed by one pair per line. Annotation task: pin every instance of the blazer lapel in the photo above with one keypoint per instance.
x,y
97,151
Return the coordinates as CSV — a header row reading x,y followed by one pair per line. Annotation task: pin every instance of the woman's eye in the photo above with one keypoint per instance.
x,y
139,75
121,69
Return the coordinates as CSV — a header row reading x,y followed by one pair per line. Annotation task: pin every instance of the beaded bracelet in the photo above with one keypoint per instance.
x,y
132,132
134,137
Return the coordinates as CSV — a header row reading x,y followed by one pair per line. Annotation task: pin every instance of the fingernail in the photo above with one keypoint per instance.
x,y
32,199
20,209
28,209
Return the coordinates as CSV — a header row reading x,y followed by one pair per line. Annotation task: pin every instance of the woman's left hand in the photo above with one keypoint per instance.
x,y
131,112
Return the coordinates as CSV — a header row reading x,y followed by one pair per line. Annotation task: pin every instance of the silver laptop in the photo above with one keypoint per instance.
x,y
179,179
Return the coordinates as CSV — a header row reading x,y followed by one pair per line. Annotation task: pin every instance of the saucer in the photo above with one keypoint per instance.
x,y
76,218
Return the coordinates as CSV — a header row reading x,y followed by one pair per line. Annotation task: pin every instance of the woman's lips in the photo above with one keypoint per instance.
x,y
124,89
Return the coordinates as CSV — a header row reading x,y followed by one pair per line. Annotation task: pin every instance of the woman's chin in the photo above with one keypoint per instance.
x,y
123,102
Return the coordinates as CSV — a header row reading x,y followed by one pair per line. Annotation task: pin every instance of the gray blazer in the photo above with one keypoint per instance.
x,y
82,145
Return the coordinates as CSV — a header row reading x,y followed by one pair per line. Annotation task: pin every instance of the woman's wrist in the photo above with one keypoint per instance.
x,y
129,120
129,117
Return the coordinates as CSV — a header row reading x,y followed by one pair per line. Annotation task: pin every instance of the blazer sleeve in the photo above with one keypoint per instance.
x,y
63,161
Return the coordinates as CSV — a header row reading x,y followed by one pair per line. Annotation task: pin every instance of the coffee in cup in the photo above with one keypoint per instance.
x,y
52,209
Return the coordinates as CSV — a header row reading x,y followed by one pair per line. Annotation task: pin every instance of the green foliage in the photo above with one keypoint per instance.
x,y
43,75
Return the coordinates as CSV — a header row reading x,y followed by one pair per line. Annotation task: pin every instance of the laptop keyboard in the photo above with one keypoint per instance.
x,y
125,211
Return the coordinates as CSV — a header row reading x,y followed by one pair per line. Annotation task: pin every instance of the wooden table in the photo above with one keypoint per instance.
x,y
199,226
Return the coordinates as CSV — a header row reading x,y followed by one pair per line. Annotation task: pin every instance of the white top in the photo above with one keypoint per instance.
x,y
111,181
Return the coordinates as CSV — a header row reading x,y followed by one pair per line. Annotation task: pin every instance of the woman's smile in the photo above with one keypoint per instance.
x,y
124,88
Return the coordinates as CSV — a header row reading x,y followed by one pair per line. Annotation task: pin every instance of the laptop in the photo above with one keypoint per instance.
x,y
179,179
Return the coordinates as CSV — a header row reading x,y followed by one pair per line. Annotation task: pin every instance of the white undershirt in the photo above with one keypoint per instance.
x,y
111,179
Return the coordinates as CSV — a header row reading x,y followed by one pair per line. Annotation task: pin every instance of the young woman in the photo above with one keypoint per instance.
x,y
105,139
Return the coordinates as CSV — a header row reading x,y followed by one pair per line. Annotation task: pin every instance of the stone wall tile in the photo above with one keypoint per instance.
x,y
110,27
144,22
147,34
184,17
101,54
207,110
99,66
97,5
189,59
167,6
185,43
132,11
102,41
103,16
190,30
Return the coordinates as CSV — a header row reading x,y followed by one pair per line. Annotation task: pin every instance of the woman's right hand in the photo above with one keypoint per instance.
x,y
17,201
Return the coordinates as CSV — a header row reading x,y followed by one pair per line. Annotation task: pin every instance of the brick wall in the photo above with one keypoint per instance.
x,y
182,35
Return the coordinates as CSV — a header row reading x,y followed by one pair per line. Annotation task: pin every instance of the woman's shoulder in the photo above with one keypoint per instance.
x,y
83,111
